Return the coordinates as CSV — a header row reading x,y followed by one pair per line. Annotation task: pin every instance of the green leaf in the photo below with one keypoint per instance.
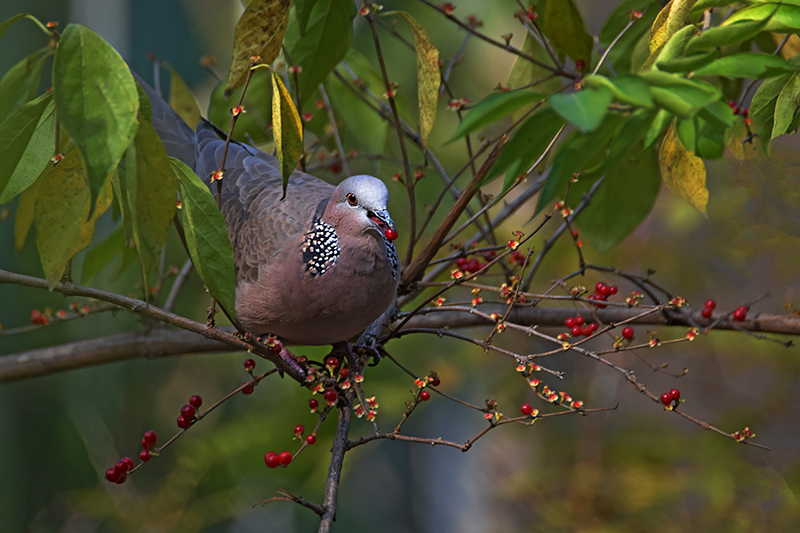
x,y
674,47
564,27
579,153
428,76
678,95
149,196
324,43
762,108
259,32
656,130
726,34
688,63
526,145
8,22
27,141
786,106
20,84
23,220
206,236
492,108
585,108
96,100
704,5
65,216
687,132
524,72
622,201
303,12
718,113
785,17
627,89
287,129
181,98
751,65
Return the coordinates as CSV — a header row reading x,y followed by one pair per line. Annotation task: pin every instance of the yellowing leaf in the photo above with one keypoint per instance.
x,y
428,75
287,130
683,172
791,47
181,98
670,19
24,216
260,33
62,211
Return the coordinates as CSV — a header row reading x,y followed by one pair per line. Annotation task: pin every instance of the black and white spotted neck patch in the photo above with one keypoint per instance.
x,y
320,248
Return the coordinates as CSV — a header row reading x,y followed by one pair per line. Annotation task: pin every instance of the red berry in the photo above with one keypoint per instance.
x,y
586,331
299,430
112,475
390,234
121,480
313,404
576,331
271,459
675,394
579,321
424,396
593,326
311,439
38,318
150,438
330,396
331,362
711,304
707,312
580,64
612,290
285,458
666,398
335,167
602,289
248,389
570,322
740,314
436,381
188,411
196,401
627,333
344,373
526,409
249,365
144,456
129,464
184,422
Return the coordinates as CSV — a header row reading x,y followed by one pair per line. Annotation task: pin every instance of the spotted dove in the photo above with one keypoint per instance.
x,y
315,268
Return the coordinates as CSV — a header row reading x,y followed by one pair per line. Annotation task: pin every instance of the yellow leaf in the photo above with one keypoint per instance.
x,y
683,172
791,47
287,130
181,98
24,216
260,32
428,76
673,17
62,211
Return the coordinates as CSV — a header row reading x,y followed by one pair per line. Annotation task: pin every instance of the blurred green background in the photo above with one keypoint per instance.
x,y
633,469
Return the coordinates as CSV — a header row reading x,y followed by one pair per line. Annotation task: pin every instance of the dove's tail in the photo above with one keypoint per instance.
x,y
177,136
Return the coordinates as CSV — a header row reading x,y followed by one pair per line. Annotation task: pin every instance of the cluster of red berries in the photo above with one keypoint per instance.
x,y
601,293
119,472
668,398
708,310
469,265
273,459
38,319
189,411
149,441
577,326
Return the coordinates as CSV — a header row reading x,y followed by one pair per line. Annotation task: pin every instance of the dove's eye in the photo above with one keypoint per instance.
x,y
351,199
